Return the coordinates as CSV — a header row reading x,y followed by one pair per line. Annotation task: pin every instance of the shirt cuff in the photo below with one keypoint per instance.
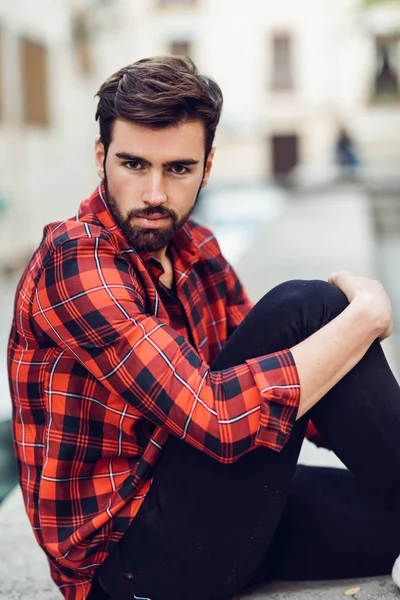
x,y
277,380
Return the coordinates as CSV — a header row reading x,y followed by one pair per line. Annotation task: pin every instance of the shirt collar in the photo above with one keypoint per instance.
x,y
182,243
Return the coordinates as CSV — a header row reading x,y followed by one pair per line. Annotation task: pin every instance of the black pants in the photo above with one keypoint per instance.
x,y
206,530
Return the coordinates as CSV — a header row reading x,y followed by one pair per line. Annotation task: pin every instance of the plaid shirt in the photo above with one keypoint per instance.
x,y
104,364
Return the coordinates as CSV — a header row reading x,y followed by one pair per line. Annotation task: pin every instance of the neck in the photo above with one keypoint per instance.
x,y
160,255
167,277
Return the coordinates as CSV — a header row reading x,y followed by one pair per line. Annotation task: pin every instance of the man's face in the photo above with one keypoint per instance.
x,y
153,178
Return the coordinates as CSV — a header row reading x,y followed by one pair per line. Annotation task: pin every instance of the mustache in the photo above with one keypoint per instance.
x,y
151,211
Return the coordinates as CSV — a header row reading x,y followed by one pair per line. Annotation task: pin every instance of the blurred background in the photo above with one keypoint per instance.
x,y
307,170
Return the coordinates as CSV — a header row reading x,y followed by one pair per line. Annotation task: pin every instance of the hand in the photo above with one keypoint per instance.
x,y
370,296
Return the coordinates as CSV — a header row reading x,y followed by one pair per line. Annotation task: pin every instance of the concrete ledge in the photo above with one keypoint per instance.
x,y
381,588
24,572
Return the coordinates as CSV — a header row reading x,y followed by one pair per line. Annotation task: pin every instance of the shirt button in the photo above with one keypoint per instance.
x,y
129,575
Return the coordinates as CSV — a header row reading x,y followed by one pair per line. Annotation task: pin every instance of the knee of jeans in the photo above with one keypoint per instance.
x,y
314,295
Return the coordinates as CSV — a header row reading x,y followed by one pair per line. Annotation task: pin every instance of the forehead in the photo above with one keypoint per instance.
x,y
186,140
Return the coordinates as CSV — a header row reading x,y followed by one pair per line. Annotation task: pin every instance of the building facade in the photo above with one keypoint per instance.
x,y
46,122
293,74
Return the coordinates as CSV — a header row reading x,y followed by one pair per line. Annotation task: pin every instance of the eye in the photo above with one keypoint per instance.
x,y
133,165
180,169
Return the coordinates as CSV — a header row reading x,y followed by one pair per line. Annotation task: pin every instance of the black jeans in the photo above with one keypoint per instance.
x,y
211,530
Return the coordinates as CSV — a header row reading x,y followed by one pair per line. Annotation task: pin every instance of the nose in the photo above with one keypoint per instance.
x,y
155,194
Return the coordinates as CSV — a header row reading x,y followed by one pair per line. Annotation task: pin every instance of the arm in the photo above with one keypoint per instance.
x,y
90,304
327,356
330,353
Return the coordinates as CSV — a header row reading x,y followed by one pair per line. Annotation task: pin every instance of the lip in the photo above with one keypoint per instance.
x,y
151,221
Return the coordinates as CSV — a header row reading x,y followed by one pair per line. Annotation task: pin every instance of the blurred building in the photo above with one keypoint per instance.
x,y
293,74
47,84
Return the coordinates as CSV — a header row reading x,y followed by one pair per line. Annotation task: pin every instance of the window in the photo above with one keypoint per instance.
x,y
82,42
34,70
180,48
282,67
285,154
387,74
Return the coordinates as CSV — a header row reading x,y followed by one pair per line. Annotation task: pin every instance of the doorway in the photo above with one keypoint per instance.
x,y
285,154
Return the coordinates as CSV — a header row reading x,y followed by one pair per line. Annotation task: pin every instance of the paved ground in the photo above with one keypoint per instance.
x,y
24,572
381,588
308,239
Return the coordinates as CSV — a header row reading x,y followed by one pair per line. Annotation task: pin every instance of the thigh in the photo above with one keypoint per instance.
x,y
203,526
332,528
359,418
285,316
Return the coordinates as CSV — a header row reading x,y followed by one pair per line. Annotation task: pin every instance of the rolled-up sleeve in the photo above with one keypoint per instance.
x,y
278,382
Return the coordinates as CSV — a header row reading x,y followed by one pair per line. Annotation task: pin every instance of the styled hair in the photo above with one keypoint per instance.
x,y
159,92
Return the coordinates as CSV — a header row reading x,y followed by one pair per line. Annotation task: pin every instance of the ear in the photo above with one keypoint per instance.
x,y
99,153
208,166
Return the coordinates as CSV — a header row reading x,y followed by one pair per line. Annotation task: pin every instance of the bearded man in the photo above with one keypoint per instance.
x,y
158,415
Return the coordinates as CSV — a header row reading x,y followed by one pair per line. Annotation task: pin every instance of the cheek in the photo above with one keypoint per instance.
x,y
118,179
188,192
123,187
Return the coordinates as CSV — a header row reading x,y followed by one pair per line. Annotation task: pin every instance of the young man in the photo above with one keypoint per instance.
x,y
158,416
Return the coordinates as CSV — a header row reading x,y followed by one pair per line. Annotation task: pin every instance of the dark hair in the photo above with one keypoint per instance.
x,y
159,92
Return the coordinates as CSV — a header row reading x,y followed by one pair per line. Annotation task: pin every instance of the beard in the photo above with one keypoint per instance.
x,y
147,239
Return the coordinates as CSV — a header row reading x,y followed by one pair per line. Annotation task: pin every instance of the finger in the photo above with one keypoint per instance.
x,y
338,277
386,333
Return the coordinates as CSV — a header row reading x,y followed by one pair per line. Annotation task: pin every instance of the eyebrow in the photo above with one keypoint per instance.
x,y
186,162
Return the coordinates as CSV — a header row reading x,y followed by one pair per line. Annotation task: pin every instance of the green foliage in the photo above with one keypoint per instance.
x,y
3,205
369,3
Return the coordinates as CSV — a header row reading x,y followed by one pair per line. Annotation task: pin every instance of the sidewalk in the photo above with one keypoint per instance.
x,y
314,236
311,238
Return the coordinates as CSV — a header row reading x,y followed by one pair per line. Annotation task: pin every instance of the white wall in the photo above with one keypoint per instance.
x,y
44,171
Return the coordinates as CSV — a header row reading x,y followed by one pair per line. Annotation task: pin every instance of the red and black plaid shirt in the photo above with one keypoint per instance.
x,y
104,365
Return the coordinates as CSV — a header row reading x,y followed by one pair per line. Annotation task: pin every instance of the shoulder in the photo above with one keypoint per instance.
x,y
69,237
57,234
